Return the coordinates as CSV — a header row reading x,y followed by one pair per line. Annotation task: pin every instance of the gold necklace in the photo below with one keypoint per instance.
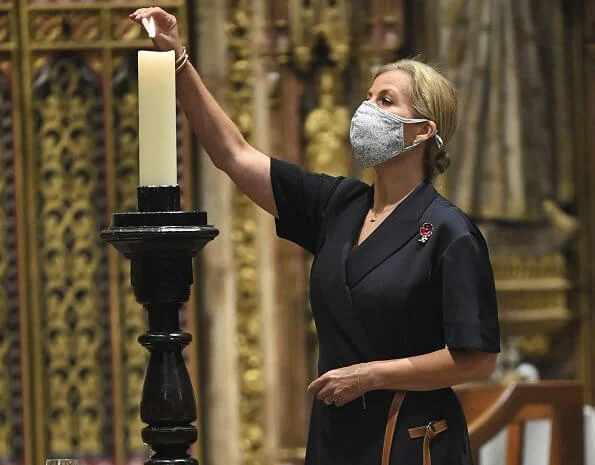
x,y
373,217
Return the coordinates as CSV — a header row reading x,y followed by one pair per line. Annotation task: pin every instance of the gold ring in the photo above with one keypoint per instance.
x,y
328,402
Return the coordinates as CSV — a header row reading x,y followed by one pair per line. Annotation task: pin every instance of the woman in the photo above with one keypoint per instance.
x,y
401,286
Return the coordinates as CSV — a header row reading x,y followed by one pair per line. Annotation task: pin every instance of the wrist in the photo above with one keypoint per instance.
x,y
372,376
367,376
181,61
179,51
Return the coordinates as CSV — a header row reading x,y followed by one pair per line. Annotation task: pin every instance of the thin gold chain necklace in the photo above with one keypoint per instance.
x,y
373,216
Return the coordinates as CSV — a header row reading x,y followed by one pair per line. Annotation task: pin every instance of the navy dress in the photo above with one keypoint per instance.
x,y
390,297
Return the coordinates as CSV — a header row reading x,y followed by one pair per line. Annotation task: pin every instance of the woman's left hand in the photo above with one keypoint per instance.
x,y
339,386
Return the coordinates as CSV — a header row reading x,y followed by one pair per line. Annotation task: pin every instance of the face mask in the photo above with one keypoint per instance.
x,y
377,135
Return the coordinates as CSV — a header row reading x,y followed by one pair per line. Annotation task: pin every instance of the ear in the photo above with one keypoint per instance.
x,y
425,131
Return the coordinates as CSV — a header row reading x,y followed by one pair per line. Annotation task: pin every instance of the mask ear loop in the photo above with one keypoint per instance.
x,y
437,139
439,144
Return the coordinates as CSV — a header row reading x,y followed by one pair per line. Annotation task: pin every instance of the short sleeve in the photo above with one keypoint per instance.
x,y
301,198
469,308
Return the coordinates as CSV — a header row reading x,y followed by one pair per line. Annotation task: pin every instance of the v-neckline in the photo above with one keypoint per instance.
x,y
396,229
355,244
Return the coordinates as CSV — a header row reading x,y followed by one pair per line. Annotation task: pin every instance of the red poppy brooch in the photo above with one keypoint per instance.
x,y
425,232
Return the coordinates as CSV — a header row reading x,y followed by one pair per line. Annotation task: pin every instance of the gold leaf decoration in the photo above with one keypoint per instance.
x,y
6,336
69,26
124,29
65,107
327,129
4,28
245,252
133,321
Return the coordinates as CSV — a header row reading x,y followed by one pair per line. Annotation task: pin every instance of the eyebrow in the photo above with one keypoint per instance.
x,y
384,90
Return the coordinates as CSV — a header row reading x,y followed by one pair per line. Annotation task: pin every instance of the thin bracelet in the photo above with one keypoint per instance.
x,y
181,57
360,386
181,66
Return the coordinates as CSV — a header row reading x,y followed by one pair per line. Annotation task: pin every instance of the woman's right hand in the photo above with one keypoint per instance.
x,y
166,28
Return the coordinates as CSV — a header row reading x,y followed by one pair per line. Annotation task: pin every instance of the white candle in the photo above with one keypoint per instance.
x,y
157,118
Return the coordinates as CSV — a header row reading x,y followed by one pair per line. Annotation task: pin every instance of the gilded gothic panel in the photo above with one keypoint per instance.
x,y
68,152
11,346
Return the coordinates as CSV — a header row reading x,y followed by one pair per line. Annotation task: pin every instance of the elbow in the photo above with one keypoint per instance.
x,y
485,365
230,154
475,366
222,160
219,163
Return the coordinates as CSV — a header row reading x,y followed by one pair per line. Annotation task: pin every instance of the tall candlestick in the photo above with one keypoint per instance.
x,y
157,118
160,241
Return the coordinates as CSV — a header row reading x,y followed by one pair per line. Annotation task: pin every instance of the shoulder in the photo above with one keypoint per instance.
x,y
345,191
451,224
351,187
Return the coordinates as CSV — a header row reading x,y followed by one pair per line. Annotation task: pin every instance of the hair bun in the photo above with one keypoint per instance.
x,y
441,162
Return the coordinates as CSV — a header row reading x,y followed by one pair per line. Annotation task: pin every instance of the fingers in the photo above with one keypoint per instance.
x,y
160,16
327,392
337,398
341,402
146,12
323,390
316,385
336,387
139,14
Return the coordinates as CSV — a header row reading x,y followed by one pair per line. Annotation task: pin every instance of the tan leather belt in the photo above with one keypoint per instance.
x,y
428,432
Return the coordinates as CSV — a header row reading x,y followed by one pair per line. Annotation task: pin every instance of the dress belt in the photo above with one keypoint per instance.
x,y
428,432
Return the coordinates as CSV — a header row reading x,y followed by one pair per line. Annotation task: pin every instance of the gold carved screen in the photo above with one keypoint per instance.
x,y
72,371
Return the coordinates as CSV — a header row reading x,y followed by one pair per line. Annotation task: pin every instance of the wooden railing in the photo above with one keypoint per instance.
x,y
492,408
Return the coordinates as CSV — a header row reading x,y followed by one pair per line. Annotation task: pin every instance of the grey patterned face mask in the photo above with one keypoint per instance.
x,y
377,135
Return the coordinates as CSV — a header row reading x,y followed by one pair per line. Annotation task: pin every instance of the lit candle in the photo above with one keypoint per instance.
x,y
157,118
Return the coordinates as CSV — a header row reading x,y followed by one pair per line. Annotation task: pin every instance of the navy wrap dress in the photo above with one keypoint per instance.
x,y
390,297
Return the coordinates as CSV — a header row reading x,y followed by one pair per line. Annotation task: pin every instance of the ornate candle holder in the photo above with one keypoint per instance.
x,y
160,241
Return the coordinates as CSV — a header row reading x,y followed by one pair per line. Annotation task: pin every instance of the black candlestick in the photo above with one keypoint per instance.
x,y
160,241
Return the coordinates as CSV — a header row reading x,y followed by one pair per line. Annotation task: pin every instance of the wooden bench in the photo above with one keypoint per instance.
x,y
491,408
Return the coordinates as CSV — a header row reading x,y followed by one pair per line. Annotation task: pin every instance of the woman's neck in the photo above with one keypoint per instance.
x,y
396,179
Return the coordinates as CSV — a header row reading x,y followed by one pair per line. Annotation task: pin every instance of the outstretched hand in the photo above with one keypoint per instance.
x,y
166,28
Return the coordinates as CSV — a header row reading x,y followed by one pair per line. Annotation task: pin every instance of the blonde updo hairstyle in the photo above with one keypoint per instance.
x,y
432,97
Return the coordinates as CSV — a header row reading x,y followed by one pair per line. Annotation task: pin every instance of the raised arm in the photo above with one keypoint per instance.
x,y
247,167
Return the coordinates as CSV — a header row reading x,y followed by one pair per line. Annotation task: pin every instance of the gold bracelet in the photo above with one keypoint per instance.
x,y
359,367
181,66
181,57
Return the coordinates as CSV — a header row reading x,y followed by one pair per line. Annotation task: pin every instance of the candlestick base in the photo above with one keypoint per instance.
x,y
158,198
160,244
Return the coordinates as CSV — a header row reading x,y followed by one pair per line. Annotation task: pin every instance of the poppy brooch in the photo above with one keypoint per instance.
x,y
425,232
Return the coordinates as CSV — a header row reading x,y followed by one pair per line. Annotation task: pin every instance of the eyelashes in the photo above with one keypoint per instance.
x,y
383,100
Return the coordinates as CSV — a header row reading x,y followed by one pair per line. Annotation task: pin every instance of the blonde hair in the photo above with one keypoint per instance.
x,y
432,97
